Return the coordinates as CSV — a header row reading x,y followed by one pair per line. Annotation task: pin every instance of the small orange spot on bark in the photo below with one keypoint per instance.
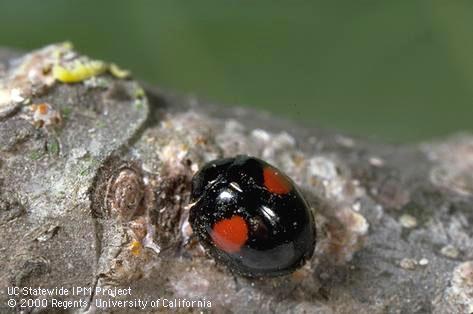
x,y
299,275
230,234
43,108
275,181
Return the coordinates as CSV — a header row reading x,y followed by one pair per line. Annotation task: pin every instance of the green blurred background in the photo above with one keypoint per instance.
x,y
395,70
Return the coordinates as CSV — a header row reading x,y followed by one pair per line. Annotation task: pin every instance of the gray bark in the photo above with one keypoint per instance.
x,y
98,198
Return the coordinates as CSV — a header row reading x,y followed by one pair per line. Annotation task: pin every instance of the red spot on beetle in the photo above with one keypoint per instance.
x,y
275,181
230,234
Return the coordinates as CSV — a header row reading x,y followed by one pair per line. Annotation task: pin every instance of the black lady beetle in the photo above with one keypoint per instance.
x,y
250,216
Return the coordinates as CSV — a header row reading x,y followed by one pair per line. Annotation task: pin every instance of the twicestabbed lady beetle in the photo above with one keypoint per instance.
x,y
250,216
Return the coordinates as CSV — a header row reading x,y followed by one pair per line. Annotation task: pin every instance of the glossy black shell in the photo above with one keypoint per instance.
x,y
281,229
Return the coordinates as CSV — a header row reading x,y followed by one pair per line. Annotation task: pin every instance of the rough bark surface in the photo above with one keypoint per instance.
x,y
94,191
